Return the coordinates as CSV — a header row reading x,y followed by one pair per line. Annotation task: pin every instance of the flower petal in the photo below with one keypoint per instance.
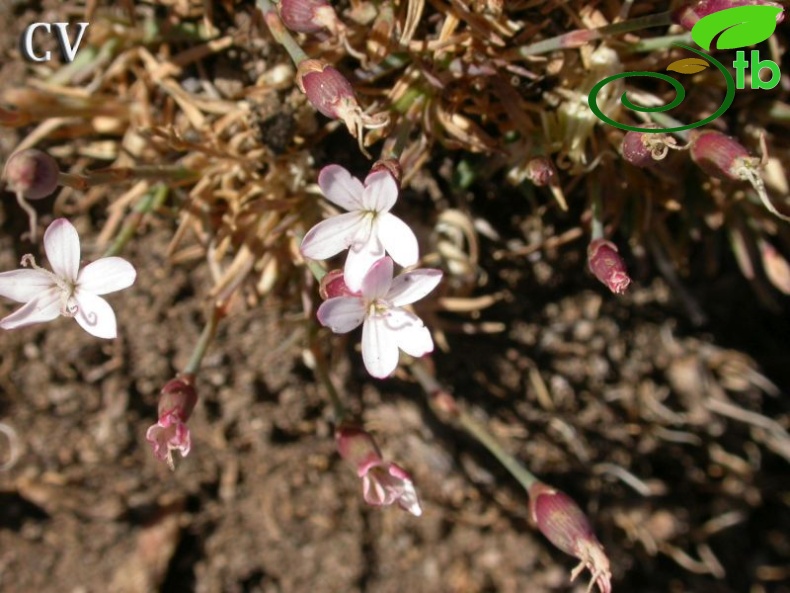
x,y
44,308
341,314
398,239
95,315
106,275
407,500
381,192
62,245
341,188
410,287
360,261
333,235
379,349
408,332
24,286
378,279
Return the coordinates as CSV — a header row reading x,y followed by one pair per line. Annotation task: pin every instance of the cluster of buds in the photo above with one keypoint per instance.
x,y
176,402
644,149
688,15
566,526
383,482
32,175
332,95
724,157
607,265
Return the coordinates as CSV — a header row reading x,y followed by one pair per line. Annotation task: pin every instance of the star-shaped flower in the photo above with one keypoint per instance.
x,y
387,326
67,290
368,228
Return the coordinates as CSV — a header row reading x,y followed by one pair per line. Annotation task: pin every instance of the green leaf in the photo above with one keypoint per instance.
x,y
740,26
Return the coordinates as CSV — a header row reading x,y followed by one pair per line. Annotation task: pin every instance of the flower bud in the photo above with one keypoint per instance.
x,y
333,285
721,156
383,483
566,526
32,173
688,15
392,166
607,265
643,149
308,16
326,88
177,400
540,171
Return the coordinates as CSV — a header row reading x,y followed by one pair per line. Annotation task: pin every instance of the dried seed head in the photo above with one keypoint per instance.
x,y
607,265
32,173
643,149
540,170
688,15
566,526
308,16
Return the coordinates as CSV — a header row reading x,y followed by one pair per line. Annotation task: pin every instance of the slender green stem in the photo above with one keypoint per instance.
x,y
597,214
667,121
322,373
582,36
206,337
446,404
152,200
279,32
656,43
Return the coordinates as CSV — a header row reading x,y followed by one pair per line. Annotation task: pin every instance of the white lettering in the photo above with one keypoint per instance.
x,y
69,51
27,43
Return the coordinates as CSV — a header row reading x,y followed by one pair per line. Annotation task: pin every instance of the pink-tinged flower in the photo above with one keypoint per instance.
x,y
367,229
566,526
171,433
607,265
67,290
383,482
386,325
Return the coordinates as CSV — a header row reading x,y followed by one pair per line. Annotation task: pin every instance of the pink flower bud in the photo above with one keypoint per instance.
x,y
333,285
566,526
722,156
392,166
32,173
688,15
176,402
540,171
383,483
326,88
308,16
643,149
607,265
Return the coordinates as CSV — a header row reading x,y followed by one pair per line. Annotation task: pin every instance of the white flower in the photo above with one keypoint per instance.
x,y
368,228
386,325
66,290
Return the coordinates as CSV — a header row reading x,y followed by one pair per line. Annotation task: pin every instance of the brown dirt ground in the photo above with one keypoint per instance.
x,y
264,504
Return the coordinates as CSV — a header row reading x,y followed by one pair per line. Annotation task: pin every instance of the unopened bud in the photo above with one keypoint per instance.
x,y
391,166
722,156
688,15
607,265
32,173
308,16
643,149
326,88
566,526
540,171
333,285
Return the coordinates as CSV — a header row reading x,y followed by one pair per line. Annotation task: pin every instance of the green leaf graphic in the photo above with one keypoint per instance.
x,y
740,26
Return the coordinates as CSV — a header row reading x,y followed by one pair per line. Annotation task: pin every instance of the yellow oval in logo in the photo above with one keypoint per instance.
x,y
688,65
